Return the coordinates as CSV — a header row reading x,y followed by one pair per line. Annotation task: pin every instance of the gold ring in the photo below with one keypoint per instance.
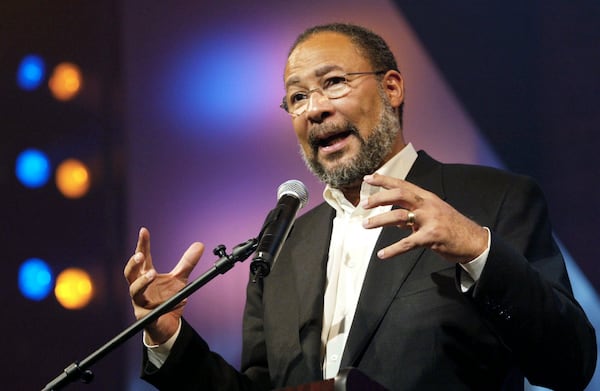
x,y
411,219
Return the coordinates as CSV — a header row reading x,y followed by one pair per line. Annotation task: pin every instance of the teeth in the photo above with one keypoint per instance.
x,y
328,141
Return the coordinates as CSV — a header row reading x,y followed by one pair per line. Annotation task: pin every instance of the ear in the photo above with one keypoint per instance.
x,y
393,85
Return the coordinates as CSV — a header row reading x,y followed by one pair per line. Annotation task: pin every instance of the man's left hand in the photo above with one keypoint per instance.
x,y
435,224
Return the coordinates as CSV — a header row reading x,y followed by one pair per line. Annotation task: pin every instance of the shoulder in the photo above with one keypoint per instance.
x,y
465,176
479,192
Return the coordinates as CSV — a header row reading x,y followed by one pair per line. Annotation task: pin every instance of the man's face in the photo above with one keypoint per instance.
x,y
346,138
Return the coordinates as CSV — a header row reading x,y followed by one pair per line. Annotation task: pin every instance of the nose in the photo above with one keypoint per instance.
x,y
319,106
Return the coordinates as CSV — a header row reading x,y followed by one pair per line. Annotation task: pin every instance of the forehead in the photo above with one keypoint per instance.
x,y
323,52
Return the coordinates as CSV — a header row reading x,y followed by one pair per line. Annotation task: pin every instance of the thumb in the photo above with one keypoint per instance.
x,y
188,260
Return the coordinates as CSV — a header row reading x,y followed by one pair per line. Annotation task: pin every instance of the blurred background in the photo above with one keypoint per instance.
x,y
118,114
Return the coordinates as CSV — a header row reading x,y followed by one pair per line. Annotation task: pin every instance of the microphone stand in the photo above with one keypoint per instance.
x,y
80,369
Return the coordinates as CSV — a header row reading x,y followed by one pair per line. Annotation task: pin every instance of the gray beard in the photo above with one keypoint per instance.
x,y
371,155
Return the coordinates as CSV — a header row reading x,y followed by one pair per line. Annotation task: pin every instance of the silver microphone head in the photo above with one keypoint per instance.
x,y
294,188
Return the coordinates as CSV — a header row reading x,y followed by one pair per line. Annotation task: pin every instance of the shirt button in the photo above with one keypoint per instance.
x,y
334,357
351,265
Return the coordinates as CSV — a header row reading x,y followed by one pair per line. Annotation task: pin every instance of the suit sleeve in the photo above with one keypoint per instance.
x,y
192,366
525,295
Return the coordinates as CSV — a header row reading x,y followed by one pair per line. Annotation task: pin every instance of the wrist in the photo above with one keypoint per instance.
x,y
481,245
162,330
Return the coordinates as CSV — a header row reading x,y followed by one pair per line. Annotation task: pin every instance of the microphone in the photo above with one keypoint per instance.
x,y
291,196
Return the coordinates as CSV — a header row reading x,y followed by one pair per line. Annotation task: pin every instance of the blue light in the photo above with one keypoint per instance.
x,y
221,83
35,279
31,72
32,168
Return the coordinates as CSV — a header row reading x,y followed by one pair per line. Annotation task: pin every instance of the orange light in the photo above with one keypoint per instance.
x,y
74,288
66,81
73,178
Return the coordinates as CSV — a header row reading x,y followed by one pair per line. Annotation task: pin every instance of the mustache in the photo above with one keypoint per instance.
x,y
321,134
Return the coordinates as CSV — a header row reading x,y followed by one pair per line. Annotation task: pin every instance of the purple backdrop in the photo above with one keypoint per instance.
x,y
208,145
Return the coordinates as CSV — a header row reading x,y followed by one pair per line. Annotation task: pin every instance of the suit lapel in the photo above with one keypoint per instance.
x,y
313,248
385,277
310,239
382,281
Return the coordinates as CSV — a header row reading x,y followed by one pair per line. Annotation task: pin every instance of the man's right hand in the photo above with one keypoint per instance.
x,y
148,289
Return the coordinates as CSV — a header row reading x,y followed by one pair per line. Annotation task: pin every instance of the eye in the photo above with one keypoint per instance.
x,y
298,97
334,81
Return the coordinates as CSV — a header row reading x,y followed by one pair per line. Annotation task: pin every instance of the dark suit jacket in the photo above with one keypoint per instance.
x,y
414,329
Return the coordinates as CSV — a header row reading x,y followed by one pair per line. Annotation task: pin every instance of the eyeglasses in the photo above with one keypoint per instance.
x,y
333,87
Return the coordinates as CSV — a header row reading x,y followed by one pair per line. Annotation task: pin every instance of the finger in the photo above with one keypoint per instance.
x,y
134,267
409,243
188,261
396,192
387,182
394,217
139,285
143,246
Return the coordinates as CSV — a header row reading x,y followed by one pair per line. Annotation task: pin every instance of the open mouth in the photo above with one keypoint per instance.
x,y
333,139
330,141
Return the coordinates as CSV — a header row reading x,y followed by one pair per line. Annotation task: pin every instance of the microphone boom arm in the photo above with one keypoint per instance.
x,y
80,369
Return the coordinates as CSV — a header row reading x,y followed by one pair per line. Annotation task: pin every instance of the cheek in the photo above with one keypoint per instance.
x,y
301,134
364,113
368,120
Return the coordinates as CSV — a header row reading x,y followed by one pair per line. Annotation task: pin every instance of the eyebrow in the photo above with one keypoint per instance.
x,y
323,70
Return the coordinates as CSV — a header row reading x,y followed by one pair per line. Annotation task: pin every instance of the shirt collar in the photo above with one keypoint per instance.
x,y
398,167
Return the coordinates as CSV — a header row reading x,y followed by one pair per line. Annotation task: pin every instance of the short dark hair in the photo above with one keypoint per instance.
x,y
371,45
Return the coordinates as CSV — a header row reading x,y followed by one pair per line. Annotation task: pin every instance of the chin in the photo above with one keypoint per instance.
x,y
335,164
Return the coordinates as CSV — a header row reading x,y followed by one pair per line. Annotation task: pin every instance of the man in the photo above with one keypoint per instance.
x,y
422,275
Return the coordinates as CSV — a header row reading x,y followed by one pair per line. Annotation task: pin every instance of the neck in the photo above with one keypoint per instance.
x,y
352,193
